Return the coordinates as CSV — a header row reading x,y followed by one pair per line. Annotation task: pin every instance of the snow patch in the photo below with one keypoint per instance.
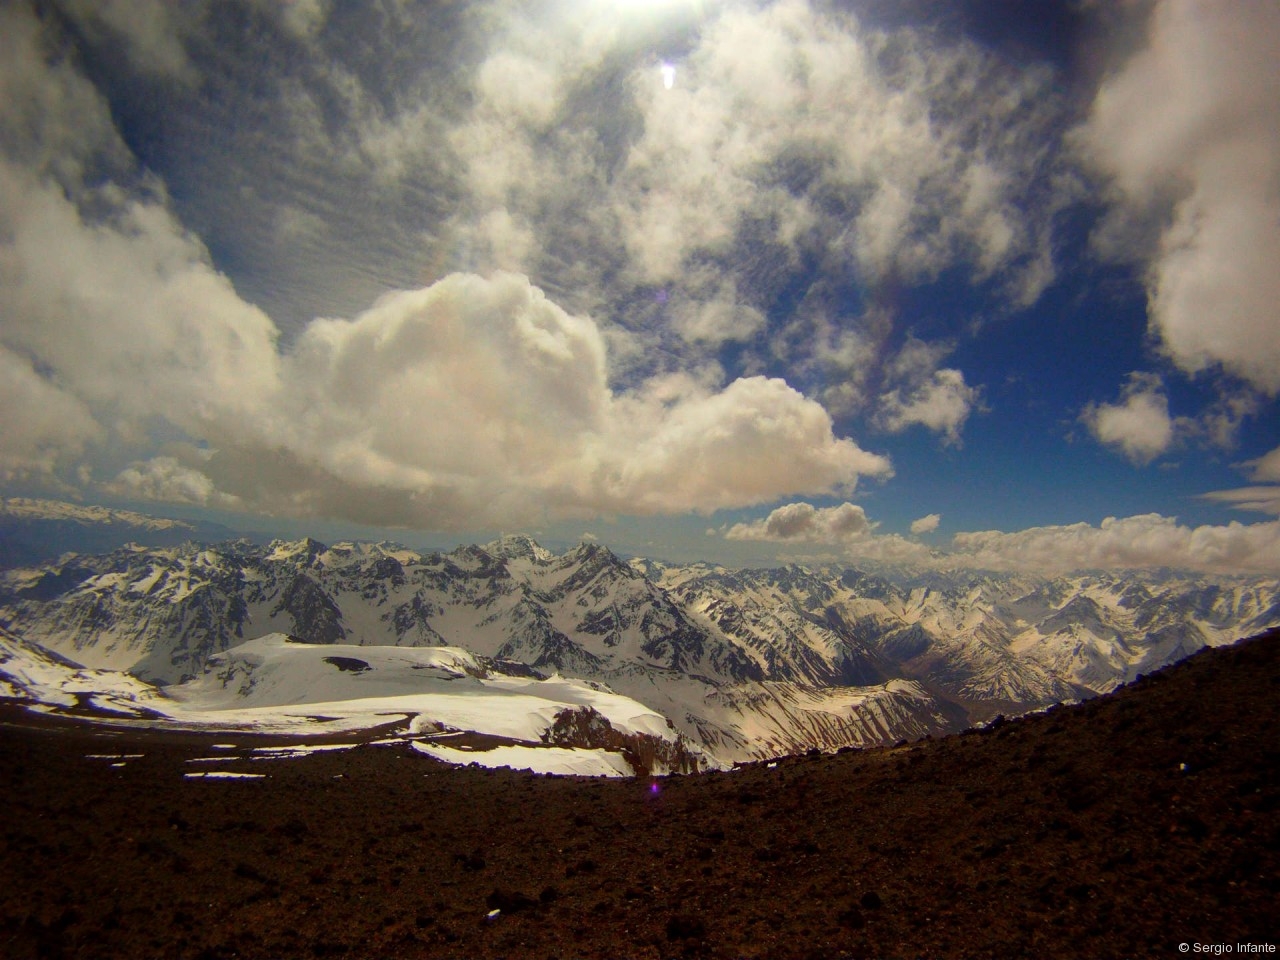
x,y
562,761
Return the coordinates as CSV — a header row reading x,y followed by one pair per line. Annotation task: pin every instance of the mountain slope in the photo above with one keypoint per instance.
x,y
39,531
1118,827
747,663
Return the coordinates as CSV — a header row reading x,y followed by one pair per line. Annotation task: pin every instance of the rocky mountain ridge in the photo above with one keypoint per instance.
x,y
744,663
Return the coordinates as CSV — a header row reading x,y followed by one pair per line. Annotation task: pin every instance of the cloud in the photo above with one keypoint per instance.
x,y
797,141
468,401
691,448
1265,469
941,403
771,98
1148,540
130,316
52,120
1187,132
845,529
165,479
44,426
1145,541
926,524
1139,425
150,35
805,522
1261,498
1256,499
937,399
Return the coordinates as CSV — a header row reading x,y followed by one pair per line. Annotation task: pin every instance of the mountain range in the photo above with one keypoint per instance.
x,y
34,531
738,664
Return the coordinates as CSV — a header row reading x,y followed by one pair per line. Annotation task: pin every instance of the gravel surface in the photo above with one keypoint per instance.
x,y
1116,828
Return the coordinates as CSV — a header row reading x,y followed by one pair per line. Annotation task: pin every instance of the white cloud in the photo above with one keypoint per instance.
x,y
1187,130
52,121
1145,541
165,479
1139,425
303,18
1255,499
130,314
1148,540
754,441
805,522
926,524
942,404
1266,469
844,529
473,401
44,426
883,121
717,318
1261,498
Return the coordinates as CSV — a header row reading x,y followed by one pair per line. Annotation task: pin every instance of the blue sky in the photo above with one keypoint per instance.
x,y
986,284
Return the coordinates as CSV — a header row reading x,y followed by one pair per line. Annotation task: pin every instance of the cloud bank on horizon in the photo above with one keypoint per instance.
x,y
453,268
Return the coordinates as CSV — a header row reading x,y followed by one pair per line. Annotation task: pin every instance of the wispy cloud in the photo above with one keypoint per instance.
x,y
1262,498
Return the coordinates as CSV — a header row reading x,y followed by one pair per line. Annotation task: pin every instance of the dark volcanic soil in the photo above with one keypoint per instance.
x,y
1076,833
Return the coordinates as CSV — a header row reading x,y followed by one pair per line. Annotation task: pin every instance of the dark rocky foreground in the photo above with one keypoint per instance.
x,y
1117,828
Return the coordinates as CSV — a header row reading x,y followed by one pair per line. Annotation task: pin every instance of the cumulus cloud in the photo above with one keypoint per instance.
x,y
1187,131
941,403
166,479
805,522
1139,425
471,400
844,529
926,524
1145,541
702,450
937,399
1148,540
468,401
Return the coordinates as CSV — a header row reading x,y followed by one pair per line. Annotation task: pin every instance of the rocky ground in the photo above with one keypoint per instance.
x,y
1120,827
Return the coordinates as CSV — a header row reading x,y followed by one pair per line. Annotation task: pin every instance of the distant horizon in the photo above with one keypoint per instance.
x,y
331,535
734,280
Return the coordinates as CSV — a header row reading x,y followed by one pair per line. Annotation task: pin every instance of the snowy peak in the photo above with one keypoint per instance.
x,y
517,547
23,508
744,663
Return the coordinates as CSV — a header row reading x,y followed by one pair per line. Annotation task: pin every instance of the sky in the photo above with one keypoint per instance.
x,y
984,284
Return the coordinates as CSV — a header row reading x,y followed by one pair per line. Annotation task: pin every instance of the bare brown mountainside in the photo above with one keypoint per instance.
x,y
1119,827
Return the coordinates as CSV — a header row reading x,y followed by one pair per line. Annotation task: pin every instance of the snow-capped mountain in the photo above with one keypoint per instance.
x,y
37,531
743,663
